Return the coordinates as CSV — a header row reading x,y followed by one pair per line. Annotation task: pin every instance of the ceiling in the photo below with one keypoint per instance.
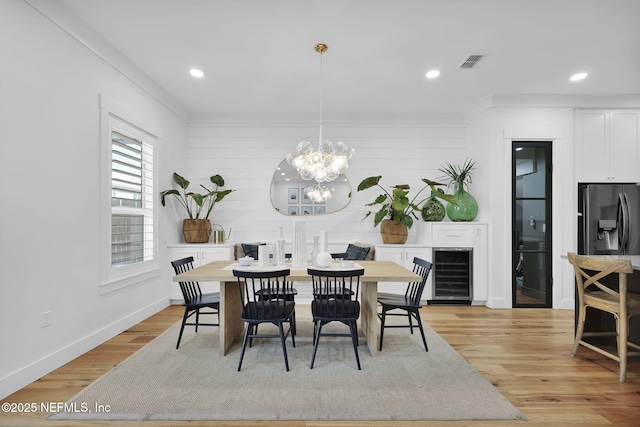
x,y
259,60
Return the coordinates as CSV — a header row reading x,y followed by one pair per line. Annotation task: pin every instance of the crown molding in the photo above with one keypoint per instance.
x,y
609,101
70,23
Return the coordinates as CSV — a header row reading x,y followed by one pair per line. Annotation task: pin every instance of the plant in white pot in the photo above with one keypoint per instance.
x,y
196,228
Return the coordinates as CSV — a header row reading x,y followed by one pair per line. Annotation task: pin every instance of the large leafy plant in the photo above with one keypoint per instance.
x,y
396,205
195,203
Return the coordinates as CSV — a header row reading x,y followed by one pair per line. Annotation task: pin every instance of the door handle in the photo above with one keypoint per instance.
x,y
623,223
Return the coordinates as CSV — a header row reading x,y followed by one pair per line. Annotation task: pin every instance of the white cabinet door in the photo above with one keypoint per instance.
x,y
390,253
591,139
607,145
403,255
624,146
202,254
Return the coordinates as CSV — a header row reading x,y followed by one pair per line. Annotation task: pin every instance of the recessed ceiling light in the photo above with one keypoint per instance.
x,y
433,74
196,73
578,76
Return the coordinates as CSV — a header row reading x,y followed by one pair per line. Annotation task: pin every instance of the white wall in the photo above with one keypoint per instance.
x,y
49,180
247,155
53,71
490,137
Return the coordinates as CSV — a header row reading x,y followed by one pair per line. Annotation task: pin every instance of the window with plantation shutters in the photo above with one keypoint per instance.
x,y
131,200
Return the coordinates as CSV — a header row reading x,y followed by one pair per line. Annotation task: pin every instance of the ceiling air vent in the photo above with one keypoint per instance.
x,y
471,61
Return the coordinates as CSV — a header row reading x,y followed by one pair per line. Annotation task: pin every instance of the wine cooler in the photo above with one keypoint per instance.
x,y
452,275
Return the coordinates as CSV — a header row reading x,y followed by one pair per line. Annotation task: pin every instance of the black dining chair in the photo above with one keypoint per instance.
x,y
336,294
194,299
408,303
289,293
354,252
265,302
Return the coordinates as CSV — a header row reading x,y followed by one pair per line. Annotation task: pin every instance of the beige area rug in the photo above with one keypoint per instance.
x,y
194,383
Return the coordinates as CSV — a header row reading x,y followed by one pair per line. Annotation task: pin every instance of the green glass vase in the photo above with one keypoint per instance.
x,y
465,210
433,209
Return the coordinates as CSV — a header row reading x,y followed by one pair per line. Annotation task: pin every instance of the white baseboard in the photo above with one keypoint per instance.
x,y
566,304
32,372
498,303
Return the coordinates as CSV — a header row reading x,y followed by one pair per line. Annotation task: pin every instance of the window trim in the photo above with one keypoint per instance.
x,y
115,116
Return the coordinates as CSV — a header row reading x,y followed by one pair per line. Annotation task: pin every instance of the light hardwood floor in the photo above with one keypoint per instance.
x,y
525,353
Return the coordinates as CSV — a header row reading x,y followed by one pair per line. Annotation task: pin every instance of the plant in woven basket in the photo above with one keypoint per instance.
x,y
195,203
196,229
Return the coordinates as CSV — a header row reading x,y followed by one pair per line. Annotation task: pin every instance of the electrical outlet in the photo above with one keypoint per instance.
x,y
46,319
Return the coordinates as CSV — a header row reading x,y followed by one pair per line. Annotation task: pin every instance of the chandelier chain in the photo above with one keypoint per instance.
x,y
326,163
321,51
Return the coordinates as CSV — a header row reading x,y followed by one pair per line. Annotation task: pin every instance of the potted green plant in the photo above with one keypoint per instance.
x,y
196,228
397,212
459,177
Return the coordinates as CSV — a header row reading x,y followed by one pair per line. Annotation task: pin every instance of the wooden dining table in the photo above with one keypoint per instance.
x,y
231,325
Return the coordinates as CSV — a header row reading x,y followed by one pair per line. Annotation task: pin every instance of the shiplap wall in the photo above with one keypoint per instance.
x,y
247,155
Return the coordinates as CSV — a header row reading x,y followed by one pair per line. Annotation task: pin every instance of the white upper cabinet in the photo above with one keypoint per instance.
x,y
607,145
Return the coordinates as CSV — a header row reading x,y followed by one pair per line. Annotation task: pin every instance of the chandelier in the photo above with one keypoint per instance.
x,y
328,161
318,193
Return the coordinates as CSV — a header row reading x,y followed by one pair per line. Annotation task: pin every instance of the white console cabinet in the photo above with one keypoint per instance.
x,y
202,253
403,255
463,235
434,235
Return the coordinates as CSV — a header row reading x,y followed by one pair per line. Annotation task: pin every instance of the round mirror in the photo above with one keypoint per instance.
x,y
288,196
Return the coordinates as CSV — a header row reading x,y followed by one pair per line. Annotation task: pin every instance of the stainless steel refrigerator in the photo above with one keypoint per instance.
x,y
608,219
609,224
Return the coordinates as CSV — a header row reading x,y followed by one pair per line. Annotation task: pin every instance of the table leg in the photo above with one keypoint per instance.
x,y
231,325
369,315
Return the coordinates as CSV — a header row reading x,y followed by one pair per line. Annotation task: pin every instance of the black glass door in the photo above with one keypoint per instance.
x,y
532,228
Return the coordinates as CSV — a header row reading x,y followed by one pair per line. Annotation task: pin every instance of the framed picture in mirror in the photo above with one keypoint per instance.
x,y
305,199
293,195
293,210
287,189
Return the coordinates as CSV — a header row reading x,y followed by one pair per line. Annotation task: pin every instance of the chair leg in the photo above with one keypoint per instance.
x,y
313,338
292,327
197,318
424,340
354,340
355,326
244,344
580,330
383,318
318,328
410,321
184,320
284,345
622,327
254,331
